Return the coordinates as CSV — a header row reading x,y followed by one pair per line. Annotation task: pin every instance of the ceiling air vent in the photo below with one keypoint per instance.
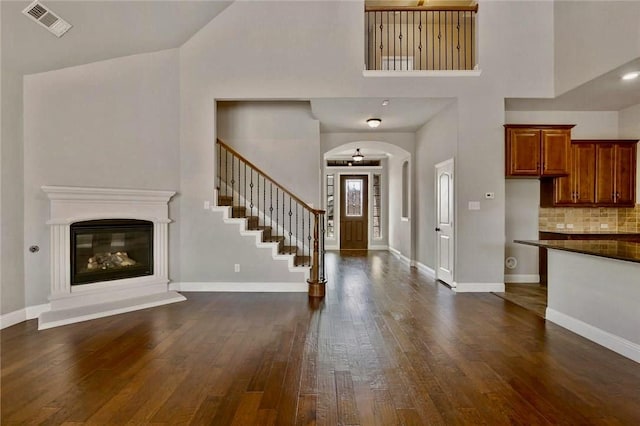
x,y
41,14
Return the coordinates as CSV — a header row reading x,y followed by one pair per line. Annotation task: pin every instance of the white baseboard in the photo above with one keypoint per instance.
x,y
57,318
401,256
478,287
427,271
522,278
254,287
378,247
35,311
15,317
617,344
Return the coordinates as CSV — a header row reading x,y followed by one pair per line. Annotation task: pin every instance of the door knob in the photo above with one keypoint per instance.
x,y
437,229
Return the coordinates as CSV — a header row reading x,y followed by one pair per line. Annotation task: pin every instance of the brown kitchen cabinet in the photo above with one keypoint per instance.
x,y
616,173
602,174
537,150
579,186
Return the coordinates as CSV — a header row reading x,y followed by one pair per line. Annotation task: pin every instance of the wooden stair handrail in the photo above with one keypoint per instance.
x,y
257,169
473,8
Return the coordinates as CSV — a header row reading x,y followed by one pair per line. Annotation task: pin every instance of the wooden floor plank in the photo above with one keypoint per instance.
x,y
386,346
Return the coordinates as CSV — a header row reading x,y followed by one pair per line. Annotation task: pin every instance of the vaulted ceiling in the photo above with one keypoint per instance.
x,y
101,30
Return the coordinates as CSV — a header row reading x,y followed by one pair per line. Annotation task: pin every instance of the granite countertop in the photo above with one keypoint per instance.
x,y
621,250
599,232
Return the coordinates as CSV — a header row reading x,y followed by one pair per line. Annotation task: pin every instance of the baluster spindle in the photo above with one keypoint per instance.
x,y
472,42
290,228
226,173
251,195
271,205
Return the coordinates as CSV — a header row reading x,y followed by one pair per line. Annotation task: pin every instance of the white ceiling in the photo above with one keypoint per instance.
x,y
605,93
351,114
101,30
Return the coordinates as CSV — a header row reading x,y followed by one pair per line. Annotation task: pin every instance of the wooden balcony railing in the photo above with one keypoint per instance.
x,y
298,228
420,38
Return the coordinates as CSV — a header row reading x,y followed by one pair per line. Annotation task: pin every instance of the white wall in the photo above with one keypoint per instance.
x,y
629,128
592,38
281,138
11,186
523,195
399,227
12,212
108,124
436,141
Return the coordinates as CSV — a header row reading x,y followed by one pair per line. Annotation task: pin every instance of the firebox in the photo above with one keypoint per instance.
x,y
110,249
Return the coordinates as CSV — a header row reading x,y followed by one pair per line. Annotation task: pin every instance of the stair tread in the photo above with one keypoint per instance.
x,y
302,261
289,249
275,239
225,200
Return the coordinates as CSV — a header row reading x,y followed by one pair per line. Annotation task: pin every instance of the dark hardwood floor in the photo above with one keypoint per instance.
x,y
388,346
530,296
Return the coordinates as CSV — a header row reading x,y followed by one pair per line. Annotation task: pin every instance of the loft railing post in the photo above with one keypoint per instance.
x,y
316,283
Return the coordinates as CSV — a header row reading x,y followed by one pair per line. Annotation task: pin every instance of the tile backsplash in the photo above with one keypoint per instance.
x,y
590,219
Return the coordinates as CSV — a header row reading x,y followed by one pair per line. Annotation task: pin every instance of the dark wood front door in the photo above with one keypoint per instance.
x,y
354,212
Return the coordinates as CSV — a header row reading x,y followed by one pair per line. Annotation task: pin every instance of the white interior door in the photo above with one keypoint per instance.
x,y
445,248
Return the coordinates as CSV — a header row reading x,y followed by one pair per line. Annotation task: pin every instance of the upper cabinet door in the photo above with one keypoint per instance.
x,y
556,146
584,172
625,174
523,152
605,173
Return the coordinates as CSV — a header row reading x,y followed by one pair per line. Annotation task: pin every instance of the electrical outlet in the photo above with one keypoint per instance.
x,y
559,225
604,226
236,267
489,195
207,205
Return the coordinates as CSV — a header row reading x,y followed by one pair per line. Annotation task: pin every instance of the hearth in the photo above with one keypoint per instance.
x,y
110,249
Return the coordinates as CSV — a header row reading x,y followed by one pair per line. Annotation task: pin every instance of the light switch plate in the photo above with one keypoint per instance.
x,y
474,205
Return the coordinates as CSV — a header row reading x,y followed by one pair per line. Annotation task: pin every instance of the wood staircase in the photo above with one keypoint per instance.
x,y
240,212
251,195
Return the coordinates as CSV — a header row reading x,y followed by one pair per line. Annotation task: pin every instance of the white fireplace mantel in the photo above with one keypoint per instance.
x,y
82,302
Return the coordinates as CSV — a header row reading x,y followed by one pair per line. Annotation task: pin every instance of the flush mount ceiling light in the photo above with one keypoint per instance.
x,y
374,122
631,75
357,156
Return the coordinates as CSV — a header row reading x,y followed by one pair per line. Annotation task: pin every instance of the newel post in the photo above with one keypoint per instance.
x,y
317,281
